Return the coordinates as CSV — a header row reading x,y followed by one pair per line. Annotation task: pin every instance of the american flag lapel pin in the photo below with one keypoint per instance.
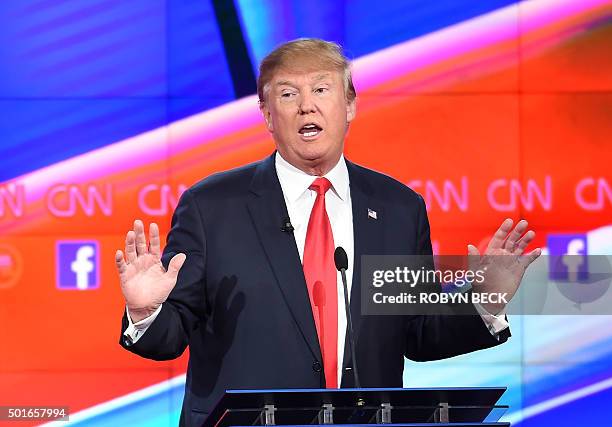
x,y
372,214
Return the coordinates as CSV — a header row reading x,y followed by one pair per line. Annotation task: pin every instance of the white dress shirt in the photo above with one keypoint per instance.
x,y
300,200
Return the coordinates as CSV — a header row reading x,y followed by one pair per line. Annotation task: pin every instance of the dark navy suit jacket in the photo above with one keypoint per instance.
x,y
241,302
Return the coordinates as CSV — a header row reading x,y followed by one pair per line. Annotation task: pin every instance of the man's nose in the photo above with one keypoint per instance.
x,y
307,104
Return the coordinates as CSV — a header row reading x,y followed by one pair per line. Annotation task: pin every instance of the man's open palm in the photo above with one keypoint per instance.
x,y
144,281
504,261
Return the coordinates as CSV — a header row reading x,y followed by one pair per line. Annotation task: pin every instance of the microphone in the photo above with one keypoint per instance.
x,y
341,261
286,225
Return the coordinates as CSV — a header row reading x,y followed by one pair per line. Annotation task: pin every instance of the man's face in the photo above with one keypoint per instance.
x,y
308,115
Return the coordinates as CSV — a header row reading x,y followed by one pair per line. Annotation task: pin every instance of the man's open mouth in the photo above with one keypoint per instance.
x,y
310,130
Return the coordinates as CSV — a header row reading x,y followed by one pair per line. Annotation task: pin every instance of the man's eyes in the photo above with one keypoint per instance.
x,y
292,94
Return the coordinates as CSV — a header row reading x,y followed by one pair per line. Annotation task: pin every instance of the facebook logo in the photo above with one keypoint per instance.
x,y
568,257
77,265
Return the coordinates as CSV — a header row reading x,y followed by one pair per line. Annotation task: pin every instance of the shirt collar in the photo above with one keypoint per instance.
x,y
295,182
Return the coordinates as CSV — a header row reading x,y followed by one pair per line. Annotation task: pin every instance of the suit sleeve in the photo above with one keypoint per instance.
x,y
168,335
434,337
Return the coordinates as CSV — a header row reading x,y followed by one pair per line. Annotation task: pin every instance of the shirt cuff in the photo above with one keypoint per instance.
x,y
136,330
494,323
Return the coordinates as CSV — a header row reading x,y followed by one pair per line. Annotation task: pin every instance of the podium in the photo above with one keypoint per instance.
x,y
436,407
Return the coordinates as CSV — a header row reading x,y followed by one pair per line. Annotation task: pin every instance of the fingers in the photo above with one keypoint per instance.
x,y
500,235
530,257
473,257
522,244
472,250
154,242
121,265
515,235
136,241
141,240
130,246
175,265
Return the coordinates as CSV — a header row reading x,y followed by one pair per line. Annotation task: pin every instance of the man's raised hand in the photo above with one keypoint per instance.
x,y
145,283
504,261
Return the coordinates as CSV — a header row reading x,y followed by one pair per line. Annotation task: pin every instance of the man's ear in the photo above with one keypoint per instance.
x,y
351,110
265,112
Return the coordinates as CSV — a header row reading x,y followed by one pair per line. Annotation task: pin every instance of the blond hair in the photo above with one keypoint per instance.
x,y
305,55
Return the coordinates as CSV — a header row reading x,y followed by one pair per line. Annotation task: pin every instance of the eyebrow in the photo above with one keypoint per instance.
x,y
317,78
284,83
321,76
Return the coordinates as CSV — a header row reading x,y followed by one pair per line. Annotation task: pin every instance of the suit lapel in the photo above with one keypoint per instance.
x,y
267,209
368,240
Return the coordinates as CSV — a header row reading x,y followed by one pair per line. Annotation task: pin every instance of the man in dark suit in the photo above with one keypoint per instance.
x,y
247,279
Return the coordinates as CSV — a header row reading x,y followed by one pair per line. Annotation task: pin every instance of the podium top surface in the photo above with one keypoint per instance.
x,y
455,396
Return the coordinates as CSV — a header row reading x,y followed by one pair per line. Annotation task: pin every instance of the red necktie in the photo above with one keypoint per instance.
x,y
320,274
